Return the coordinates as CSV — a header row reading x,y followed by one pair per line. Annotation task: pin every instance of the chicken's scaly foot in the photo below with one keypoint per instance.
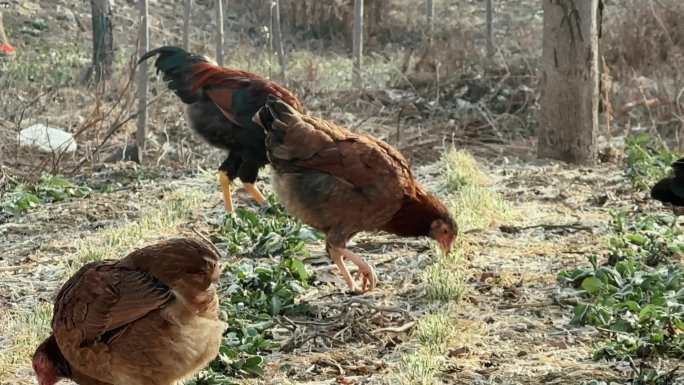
x,y
366,272
337,257
256,194
224,181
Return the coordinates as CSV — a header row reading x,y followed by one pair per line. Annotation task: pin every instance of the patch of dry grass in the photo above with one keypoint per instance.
x,y
154,222
419,368
461,169
434,336
21,333
445,285
475,205
445,279
471,199
436,330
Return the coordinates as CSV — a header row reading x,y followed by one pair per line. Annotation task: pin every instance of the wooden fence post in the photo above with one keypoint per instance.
x,y
186,24
490,29
358,43
219,32
430,14
278,40
143,47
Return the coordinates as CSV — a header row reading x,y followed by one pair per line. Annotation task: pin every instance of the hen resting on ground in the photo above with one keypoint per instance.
x,y
221,103
342,183
671,190
148,319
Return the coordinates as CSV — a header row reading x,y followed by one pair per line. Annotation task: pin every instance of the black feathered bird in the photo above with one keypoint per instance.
x,y
671,190
221,102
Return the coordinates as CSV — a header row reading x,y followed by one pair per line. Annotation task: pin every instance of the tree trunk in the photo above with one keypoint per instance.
x,y
358,43
278,40
142,79
186,24
490,29
103,42
570,81
219,32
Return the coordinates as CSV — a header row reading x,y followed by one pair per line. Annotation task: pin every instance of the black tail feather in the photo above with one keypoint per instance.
x,y
264,117
279,109
176,63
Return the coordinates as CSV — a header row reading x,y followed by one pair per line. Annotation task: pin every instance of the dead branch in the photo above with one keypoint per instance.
x,y
111,132
396,329
304,322
572,226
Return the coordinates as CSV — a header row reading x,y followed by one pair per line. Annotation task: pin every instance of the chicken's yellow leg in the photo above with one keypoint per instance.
x,y
256,194
224,181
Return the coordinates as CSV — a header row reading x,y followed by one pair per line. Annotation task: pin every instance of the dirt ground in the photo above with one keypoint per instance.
x,y
512,325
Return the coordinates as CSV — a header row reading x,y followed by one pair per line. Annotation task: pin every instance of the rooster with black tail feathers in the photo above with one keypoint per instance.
x,y
220,105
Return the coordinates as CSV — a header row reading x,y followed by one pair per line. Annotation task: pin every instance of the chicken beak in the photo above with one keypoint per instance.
x,y
445,246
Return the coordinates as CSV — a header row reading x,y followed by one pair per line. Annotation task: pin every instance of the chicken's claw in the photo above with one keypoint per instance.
x,y
256,194
366,274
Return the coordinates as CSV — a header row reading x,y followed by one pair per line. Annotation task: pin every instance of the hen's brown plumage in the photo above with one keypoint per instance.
x,y
148,319
342,183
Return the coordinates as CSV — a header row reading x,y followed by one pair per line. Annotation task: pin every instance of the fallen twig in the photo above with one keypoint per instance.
x,y
517,229
4,269
331,362
302,322
397,329
111,132
370,305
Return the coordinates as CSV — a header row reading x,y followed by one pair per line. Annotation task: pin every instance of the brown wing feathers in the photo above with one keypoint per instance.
x,y
209,75
317,144
103,296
